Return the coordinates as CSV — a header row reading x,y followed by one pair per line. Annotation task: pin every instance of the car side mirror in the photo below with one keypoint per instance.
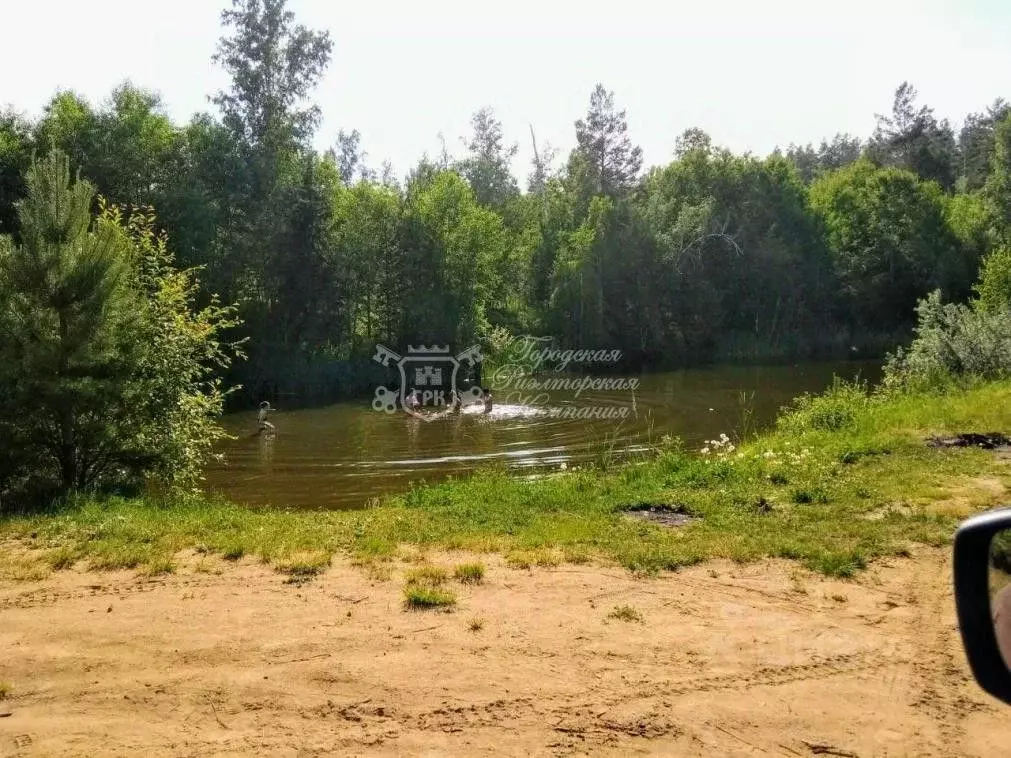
x,y
982,563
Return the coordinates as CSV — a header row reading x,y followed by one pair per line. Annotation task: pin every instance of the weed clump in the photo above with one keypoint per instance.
x,y
469,573
428,575
423,588
626,613
419,596
303,566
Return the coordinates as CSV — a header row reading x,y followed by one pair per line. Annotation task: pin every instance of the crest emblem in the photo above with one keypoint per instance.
x,y
427,374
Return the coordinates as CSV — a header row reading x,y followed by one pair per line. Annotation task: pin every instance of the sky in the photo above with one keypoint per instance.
x,y
753,73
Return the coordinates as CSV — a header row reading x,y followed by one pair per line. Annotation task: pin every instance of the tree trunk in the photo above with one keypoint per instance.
x,y
67,453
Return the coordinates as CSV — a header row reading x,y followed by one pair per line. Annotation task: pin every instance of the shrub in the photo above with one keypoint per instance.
x,y
835,409
952,342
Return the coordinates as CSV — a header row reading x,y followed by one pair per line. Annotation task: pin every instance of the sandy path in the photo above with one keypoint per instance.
x,y
763,659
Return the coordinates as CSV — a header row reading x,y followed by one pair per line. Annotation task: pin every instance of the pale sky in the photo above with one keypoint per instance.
x,y
753,73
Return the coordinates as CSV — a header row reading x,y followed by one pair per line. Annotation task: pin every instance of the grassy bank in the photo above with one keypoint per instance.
x,y
842,479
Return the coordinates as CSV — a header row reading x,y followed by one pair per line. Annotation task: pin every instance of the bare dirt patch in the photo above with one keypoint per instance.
x,y
664,515
986,441
728,660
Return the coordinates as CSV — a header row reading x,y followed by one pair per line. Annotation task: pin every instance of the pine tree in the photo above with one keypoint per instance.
x,y
612,161
64,313
105,368
487,165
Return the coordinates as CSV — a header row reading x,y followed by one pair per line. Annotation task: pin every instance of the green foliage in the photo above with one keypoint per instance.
x,y
422,597
835,409
889,241
458,245
712,256
427,575
107,371
997,189
486,167
912,139
15,151
994,288
811,163
274,64
469,573
953,343
610,160
976,143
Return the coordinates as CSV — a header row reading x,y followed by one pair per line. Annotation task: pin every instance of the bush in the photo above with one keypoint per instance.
x,y
106,366
835,409
953,342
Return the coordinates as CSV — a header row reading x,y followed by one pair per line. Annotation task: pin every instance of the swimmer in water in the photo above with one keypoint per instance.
x,y
265,426
411,402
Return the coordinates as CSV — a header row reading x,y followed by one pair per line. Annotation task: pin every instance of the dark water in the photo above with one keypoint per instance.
x,y
342,455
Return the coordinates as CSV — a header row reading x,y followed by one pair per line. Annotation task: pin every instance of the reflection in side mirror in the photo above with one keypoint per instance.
x,y
982,562
1000,592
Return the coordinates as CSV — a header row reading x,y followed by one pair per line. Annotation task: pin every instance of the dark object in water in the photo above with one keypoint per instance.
x,y
661,514
988,441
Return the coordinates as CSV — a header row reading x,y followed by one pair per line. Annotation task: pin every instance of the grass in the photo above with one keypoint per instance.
x,y
469,573
429,575
544,557
626,613
422,596
846,478
423,588
5,690
476,624
303,565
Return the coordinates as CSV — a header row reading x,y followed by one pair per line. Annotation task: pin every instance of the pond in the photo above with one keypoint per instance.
x,y
343,455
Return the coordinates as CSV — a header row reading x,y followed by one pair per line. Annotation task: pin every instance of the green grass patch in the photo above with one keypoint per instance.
x,y
469,573
302,565
433,576
422,596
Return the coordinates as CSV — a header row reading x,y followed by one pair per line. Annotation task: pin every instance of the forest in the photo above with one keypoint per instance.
x,y
813,251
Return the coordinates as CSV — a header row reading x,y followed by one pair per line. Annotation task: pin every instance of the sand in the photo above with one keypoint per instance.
x,y
760,659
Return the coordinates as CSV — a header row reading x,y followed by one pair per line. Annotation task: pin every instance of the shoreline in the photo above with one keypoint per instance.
x,y
840,481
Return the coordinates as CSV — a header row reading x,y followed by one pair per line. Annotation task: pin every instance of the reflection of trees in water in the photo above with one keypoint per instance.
x,y
266,450
413,427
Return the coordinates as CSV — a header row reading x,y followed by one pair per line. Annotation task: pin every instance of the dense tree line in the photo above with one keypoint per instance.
x,y
811,251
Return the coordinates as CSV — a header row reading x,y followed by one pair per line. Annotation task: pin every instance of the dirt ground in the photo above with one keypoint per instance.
x,y
763,659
